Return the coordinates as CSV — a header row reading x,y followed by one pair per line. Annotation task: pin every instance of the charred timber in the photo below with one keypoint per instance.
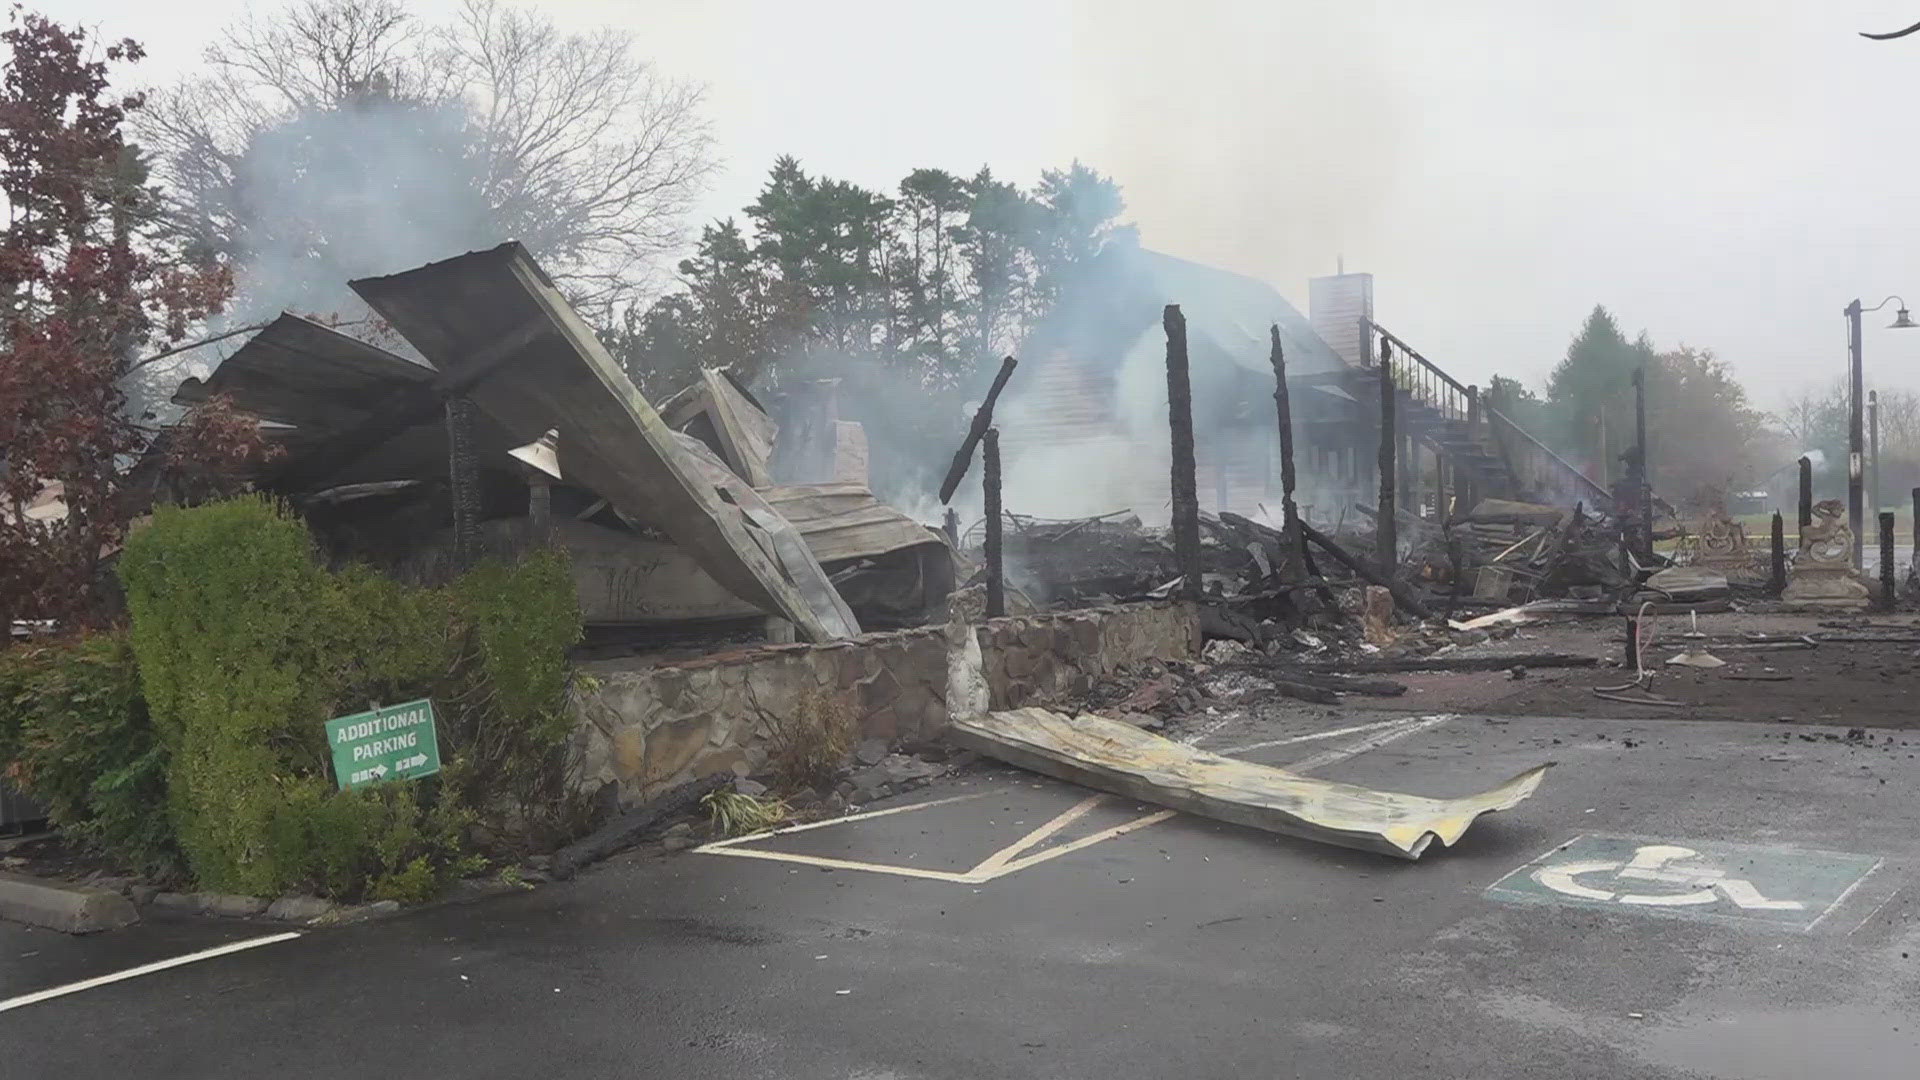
x,y
990,483
982,420
1402,595
1186,500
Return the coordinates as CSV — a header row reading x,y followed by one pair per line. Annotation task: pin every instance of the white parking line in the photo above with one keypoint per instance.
x,y
144,969
1371,742
1332,733
1397,728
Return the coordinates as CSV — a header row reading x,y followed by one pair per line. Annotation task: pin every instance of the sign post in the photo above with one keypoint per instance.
x,y
398,742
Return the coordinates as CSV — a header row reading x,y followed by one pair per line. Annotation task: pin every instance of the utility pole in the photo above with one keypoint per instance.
x,y
1856,435
1873,451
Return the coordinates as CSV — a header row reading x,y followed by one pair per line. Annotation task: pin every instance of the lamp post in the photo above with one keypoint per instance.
x,y
1856,433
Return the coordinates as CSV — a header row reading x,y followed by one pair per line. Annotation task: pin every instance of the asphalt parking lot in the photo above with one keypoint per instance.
x,y
1679,899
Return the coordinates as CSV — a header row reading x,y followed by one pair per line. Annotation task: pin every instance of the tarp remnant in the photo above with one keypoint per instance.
x,y
1108,755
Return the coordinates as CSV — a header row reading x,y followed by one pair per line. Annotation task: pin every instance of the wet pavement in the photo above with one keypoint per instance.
x,y
1637,917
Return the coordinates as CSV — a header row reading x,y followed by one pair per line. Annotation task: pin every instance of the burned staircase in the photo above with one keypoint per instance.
x,y
1488,455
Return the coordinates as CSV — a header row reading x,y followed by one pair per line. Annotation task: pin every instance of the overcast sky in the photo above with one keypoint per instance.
x,y
1725,174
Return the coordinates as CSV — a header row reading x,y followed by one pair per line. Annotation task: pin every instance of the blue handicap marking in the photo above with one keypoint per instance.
x,y
1787,888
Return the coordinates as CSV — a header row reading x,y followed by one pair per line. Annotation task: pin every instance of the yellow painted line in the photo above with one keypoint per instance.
x,y
842,864
1005,855
717,847
1085,841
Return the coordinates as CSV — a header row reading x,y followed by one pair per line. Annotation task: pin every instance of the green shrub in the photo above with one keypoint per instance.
x,y
75,735
247,646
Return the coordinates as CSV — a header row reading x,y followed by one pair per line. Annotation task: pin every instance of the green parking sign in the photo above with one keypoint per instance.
x,y
394,743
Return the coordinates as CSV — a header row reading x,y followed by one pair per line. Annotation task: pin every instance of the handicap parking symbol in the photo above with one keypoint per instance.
x,y
1783,887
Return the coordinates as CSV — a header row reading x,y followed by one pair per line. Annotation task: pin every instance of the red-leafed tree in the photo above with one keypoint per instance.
x,y
87,285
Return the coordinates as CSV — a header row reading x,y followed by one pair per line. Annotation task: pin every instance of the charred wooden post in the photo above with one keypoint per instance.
x,y
1470,486
1806,492
952,527
1406,474
1644,496
1457,570
1779,554
982,419
1291,538
1186,501
1283,412
1402,595
1886,559
463,482
1385,544
990,483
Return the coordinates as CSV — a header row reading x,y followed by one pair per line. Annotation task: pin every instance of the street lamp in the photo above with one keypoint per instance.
x,y
1856,434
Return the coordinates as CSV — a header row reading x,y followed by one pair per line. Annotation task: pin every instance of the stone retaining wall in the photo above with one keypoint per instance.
x,y
647,727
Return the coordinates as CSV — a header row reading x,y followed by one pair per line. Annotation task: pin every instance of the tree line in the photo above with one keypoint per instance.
x,y
918,286
1707,438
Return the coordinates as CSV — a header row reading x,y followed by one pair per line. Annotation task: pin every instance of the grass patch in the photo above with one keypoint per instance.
x,y
734,814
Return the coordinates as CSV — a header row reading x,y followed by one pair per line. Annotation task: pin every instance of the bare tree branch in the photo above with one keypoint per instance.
x,y
582,150
1890,37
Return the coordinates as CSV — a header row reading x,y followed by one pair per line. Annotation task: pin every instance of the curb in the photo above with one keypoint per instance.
x,y
70,909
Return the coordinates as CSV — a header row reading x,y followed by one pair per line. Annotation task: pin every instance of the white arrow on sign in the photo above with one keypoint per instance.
x,y
378,770
1653,862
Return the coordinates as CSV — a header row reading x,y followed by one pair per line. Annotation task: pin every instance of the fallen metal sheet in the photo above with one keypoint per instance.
x,y
846,521
494,320
1111,756
775,535
718,412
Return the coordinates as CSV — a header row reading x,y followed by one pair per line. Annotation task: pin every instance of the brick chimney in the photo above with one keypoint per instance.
x,y
1338,305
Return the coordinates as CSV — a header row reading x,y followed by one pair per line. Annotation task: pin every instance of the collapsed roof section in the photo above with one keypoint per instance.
x,y
314,387
496,329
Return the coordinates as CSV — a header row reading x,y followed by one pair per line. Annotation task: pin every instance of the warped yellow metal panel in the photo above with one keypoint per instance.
x,y
1108,755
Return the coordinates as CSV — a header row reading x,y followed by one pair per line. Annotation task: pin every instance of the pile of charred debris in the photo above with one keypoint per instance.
x,y
1258,586
496,422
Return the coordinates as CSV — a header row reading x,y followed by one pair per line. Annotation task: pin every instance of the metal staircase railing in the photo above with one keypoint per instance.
x,y
1536,467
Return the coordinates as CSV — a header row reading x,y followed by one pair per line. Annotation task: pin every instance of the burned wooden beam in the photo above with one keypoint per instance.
x,y
1303,691
1458,663
1283,412
463,481
982,420
1186,500
1292,541
1806,492
990,484
1779,554
1402,595
1886,559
